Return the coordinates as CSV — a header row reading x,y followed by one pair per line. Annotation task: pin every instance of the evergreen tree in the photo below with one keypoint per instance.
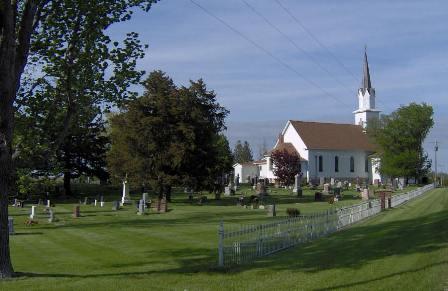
x,y
170,136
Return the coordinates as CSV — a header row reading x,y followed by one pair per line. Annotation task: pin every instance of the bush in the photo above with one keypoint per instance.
x,y
292,212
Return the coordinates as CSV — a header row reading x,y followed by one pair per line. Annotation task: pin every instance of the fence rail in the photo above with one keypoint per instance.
x,y
252,241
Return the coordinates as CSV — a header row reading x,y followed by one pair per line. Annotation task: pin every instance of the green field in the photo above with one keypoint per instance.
x,y
403,248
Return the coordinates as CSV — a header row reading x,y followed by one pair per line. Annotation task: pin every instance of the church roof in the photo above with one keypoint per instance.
x,y
332,136
289,147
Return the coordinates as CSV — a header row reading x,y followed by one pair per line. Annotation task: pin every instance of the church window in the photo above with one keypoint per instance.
x,y
321,164
336,164
352,164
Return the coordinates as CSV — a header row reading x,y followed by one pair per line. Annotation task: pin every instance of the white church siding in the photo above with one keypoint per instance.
x,y
328,158
290,135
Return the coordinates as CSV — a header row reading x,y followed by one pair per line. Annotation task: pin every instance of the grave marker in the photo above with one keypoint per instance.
x,y
76,211
33,211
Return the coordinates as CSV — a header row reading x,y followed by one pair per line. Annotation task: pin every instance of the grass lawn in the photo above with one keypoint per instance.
x,y
404,248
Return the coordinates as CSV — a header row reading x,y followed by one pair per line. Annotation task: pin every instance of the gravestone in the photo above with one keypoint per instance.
x,y
94,202
332,182
125,198
261,189
115,205
145,197
357,188
297,188
33,212
271,209
326,188
321,181
102,204
76,211
365,194
10,225
48,203
236,182
371,194
141,207
337,193
161,205
339,184
86,200
51,216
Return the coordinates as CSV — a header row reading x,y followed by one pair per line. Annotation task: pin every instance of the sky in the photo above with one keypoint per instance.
x,y
269,61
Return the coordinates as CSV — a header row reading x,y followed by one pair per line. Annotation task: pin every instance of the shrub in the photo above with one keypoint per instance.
x,y
292,212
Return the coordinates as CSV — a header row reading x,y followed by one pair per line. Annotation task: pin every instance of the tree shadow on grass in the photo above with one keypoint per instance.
x,y
380,278
351,248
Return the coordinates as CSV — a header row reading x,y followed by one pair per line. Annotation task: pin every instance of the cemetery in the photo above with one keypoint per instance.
x,y
91,243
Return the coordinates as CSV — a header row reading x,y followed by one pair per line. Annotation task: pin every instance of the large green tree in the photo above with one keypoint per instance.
x,y
170,136
21,22
83,74
400,137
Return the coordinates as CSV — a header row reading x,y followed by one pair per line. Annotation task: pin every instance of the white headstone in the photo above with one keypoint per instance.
x,y
125,196
102,203
33,211
95,202
48,203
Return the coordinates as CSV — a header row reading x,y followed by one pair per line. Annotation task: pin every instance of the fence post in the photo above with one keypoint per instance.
x,y
220,244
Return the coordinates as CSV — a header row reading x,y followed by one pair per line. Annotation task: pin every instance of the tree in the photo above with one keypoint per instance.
x,y
84,73
400,137
170,136
242,152
20,21
286,165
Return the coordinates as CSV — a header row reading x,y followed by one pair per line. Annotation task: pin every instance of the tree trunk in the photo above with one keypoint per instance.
x,y
67,184
6,183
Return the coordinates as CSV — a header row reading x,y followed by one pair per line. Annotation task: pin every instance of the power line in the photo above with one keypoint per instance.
x,y
267,52
322,45
313,59
315,39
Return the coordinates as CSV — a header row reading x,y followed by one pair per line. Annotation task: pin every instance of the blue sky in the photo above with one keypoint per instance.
x,y
407,45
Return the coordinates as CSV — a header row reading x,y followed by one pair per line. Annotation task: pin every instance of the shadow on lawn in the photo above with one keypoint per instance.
x,y
357,283
351,248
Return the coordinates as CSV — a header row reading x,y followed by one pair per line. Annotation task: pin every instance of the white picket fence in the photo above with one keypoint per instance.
x,y
249,242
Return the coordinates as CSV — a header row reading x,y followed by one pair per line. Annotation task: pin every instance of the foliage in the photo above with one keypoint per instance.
x,y
82,74
242,152
292,212
170,136
286,166
400,137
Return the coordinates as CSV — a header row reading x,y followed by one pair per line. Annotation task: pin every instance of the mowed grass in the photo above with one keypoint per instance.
x,y
403,248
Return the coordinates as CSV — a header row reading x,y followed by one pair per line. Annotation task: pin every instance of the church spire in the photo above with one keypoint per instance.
x,y
366,83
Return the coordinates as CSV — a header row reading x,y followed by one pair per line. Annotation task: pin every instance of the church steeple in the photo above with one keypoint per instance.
x,y
366,97
366,83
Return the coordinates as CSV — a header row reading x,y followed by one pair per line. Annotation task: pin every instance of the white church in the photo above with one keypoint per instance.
x,y
327,150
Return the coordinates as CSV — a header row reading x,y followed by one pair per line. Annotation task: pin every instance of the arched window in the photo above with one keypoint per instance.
x,y
321,164
352,164
336,164
366,166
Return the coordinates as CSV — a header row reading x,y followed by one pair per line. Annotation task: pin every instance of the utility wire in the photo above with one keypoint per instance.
x,y
315,38
267,52
322,45
313,59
